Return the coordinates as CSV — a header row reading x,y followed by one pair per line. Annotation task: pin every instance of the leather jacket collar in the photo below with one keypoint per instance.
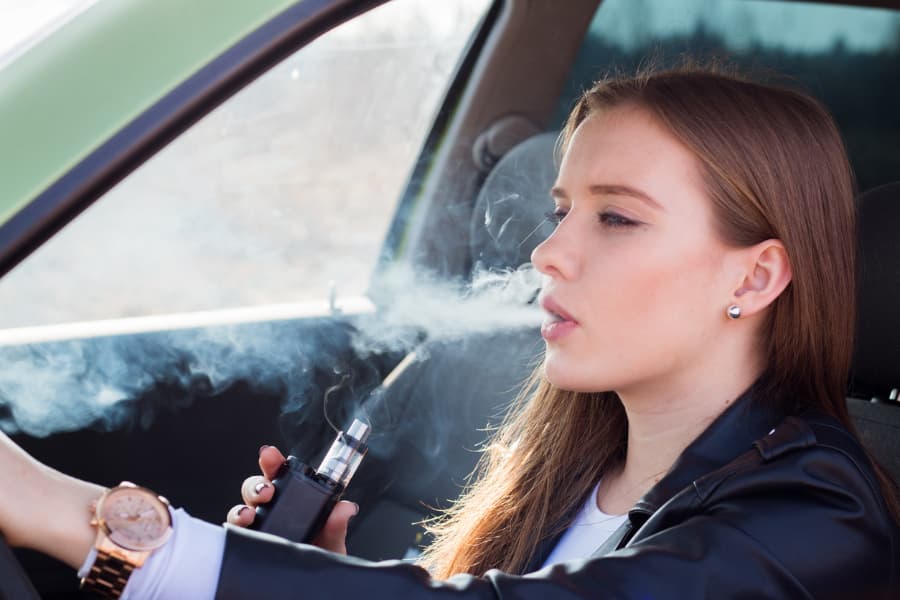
x,y
750,417
731,434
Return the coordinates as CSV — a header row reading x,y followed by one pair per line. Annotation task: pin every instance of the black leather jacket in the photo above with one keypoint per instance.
x,y
758,506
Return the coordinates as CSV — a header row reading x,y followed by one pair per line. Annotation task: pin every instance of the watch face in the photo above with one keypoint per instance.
x,y
135,518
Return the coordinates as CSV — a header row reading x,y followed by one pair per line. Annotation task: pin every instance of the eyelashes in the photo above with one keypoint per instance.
x,y
609,219
555,216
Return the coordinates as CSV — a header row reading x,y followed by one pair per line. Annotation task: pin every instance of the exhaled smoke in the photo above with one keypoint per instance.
x,y
69,384
413,307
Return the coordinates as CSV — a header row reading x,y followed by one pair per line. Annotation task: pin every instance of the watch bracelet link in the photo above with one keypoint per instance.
x,y
108,575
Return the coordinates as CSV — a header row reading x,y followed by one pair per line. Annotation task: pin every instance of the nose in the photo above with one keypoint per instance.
x,y
554,257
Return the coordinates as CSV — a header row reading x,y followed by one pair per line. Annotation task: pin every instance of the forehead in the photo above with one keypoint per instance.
x,y
628,146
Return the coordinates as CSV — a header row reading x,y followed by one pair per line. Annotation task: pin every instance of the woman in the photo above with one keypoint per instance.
x,y
699,293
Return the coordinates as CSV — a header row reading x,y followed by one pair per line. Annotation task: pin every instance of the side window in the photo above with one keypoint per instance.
x,y
287,187
24,23
845,56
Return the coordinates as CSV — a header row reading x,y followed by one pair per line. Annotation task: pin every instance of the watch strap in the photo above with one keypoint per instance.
x,y
108,575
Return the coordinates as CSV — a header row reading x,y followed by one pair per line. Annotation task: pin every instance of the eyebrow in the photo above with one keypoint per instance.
x,y
613,190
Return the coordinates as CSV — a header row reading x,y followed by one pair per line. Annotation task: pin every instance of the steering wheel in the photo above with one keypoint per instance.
x,y
14,583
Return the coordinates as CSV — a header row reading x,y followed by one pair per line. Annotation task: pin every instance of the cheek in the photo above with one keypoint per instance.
x,y
649,311
648,291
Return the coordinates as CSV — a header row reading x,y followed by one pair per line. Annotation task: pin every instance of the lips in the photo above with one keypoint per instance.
x,y
558,322
552,306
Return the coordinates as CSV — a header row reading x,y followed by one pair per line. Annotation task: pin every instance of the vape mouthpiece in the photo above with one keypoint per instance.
x,y
345,454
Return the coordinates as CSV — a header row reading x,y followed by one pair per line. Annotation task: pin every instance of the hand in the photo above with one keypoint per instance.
x,y
258,490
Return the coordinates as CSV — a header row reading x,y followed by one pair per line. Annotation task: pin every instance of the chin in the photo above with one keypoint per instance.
x,y
565,377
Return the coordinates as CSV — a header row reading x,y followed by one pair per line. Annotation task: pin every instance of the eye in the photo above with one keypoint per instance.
x,y
611,219
556,216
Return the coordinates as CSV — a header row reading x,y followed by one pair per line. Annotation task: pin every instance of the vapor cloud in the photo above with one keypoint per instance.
x,y
69,384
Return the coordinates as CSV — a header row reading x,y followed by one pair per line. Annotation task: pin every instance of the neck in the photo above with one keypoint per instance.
x,y
663,419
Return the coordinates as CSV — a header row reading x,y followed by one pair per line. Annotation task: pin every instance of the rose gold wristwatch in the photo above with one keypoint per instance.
x,y
131,523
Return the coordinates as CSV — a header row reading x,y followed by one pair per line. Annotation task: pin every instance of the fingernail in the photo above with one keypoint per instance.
x,y
263,447
242,509
357,509
260,487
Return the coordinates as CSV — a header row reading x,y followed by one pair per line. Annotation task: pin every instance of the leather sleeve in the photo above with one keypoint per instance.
x,y
811,529
255,567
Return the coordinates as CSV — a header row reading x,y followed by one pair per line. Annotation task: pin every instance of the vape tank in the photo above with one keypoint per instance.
x,y
304,497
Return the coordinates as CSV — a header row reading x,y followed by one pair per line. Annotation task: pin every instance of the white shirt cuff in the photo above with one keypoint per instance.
x,y
187,566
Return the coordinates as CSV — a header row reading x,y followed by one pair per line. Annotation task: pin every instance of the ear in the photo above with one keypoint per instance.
x,y
767,273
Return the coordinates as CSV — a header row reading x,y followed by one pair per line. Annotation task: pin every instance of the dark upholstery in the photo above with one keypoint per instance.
x,y
438,411
876,364
878,425
876,368
510,213
449,397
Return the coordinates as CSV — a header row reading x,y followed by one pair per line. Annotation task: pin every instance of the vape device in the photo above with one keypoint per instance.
x,y
304,497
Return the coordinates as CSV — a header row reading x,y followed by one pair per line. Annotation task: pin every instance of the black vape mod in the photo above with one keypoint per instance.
x,y
304,497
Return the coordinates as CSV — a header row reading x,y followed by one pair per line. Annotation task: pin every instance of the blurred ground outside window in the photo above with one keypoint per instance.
x,y
289,185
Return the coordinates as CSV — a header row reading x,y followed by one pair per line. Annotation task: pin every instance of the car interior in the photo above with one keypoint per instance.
x,y
476,202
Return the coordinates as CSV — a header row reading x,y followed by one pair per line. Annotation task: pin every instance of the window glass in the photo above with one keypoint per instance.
x,y
26,23
288,186
848,57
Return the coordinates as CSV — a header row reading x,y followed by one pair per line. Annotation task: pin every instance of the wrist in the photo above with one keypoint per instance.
x,y
56,520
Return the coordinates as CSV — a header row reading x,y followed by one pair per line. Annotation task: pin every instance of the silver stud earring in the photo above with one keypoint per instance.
x,y
734,311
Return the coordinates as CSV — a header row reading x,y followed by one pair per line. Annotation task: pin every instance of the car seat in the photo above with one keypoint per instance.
x,y
875,376
509,220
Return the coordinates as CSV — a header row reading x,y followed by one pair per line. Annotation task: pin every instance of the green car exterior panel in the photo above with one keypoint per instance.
x,y
69,93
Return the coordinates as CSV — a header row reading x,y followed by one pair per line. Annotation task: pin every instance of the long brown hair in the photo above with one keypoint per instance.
x,y
774,166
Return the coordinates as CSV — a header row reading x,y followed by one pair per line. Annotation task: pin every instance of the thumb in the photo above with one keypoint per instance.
x,y
333,536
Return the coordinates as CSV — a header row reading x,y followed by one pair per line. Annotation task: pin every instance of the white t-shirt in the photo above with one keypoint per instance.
x,y
588,531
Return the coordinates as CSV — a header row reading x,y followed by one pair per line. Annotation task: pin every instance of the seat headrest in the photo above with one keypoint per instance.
x,y
509,218
876,363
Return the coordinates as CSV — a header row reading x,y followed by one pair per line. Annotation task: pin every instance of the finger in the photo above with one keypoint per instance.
x,y
333,536
240,515
256,490
270,460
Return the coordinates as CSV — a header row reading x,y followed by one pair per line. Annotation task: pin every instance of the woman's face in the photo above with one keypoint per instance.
x,y
635,279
